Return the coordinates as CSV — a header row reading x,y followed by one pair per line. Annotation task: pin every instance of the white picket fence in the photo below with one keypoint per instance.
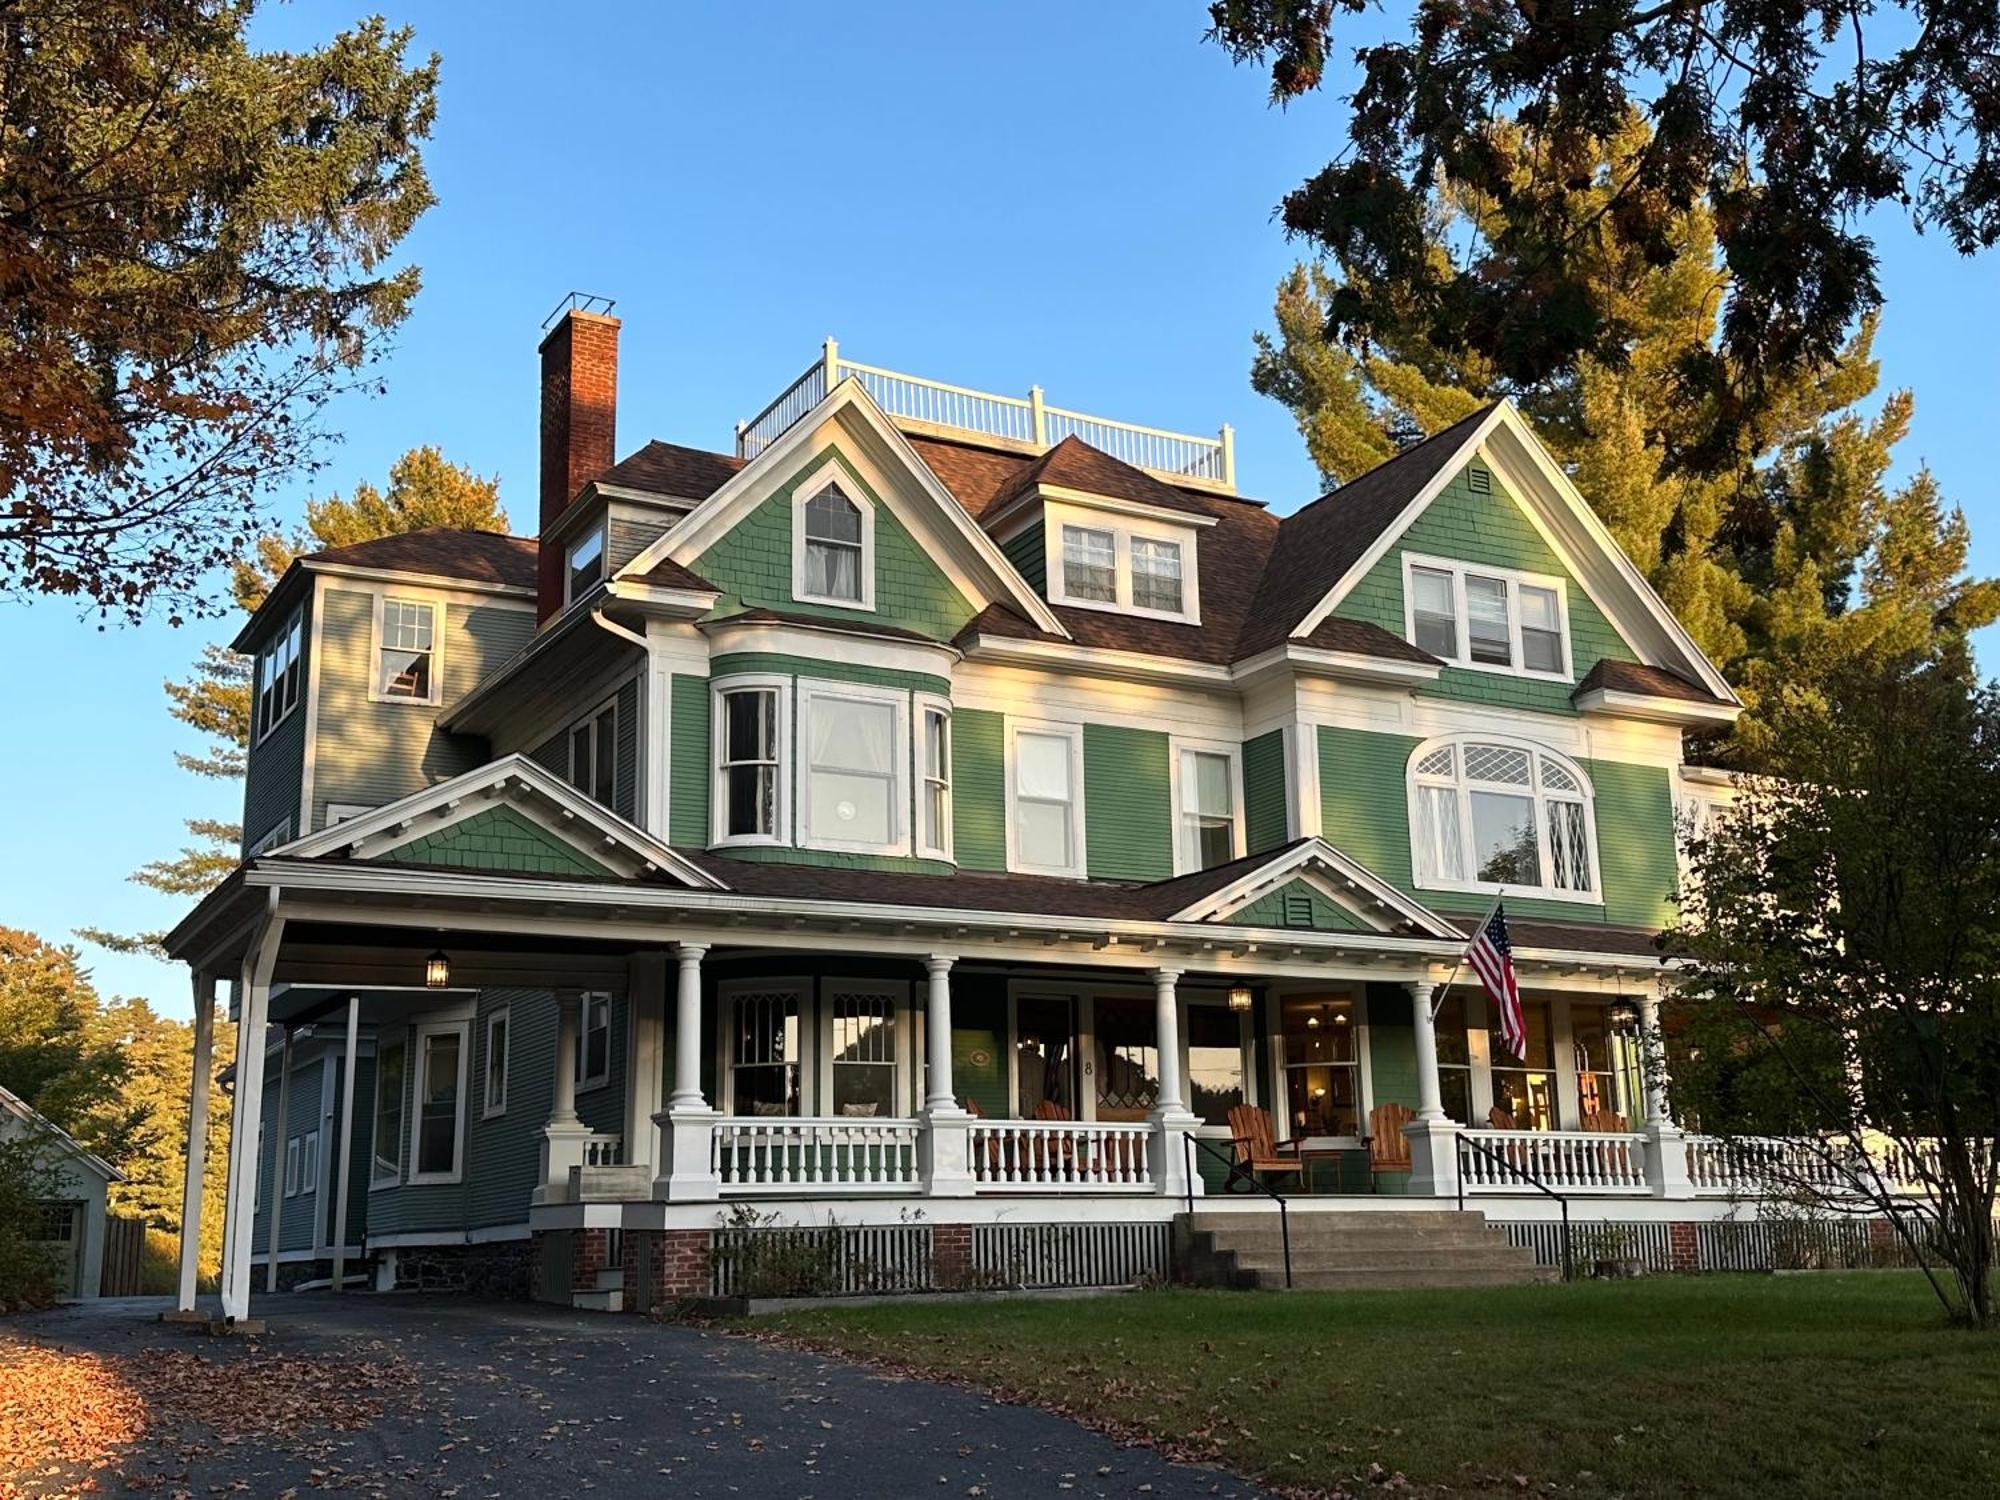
x,y
754,1154
1060,1156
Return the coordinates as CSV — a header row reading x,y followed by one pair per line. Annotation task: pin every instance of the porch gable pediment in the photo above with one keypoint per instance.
x,y
1313,886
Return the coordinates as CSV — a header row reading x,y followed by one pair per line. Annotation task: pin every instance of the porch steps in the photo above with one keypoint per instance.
x,y
607,1296
1353,1251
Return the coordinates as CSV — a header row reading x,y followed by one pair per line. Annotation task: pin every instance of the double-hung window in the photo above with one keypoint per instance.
x,y
833,540
1134,560
934,778
1045,796
1090,564
593,754
437,1144
764,1051
309,1162
593,1041
855,762
390,1060
1206,800
585,564
1491,815
749,734
1156,575
406,666
1487,618
292,1167
862,1025
279,667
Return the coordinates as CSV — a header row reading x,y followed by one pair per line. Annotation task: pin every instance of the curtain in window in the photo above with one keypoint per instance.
x,y
1090,565
1207,816
833,546
1156,575
1437,823
853,776
1042,799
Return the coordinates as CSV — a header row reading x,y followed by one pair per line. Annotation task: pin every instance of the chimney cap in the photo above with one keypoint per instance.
x,y
584,302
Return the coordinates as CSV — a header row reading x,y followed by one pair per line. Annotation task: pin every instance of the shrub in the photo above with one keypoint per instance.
x,y
28,1263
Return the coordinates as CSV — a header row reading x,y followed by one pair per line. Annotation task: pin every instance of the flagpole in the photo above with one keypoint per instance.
x,y
1438,995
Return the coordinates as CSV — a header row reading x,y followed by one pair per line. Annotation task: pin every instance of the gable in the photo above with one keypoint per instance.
x,y
1488,528
1310,883
1299,905
752,562
497,838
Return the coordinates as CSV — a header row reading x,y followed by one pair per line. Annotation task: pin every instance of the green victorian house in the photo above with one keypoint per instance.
x,y
971,828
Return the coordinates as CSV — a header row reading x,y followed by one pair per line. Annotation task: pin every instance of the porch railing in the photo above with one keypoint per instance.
x,y
604,1149
1573,1161
758,1155
1720,1165
1059,1156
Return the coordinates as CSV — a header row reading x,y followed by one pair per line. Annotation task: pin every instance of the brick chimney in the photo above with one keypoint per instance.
x,y
579,420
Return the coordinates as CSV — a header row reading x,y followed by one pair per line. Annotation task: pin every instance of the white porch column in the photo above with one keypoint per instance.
x,y
278,1161
253,1012
346,1139
197,1138
1174,1174
564,1135
685,1171
1666,1143
944,1150
1433,1137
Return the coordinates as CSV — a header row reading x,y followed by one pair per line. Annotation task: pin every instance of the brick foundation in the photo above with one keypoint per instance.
x,y
951,1255
1683,1247
665,1266
591,1255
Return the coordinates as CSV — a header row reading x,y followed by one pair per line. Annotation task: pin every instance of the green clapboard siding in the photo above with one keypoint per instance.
x,y
978,789
503,1152
752,565
689,770
1026,551
1491,529
1128,820
1269,910
1264,790
978,1043
496,838
1364,813
827,671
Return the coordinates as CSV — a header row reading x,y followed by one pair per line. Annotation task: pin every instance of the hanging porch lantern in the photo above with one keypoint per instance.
x,y
437,970
1239,998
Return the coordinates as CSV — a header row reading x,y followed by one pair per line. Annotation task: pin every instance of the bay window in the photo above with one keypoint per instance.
x,y
390,1059
1492,619
1045,819
1492,815
854,768
749,731
934,773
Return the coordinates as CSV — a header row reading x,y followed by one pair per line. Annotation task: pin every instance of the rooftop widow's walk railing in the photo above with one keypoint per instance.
x,y
1029,422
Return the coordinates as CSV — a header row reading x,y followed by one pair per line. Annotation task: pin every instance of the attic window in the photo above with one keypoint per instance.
x,y
1488,619
586,564
1128,565
278,675
833,544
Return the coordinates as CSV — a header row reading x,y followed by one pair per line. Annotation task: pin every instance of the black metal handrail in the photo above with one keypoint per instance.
x,y
1189,1140
1465,1139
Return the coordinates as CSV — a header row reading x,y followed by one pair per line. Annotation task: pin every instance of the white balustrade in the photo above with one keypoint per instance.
x,y
1059,1156
1565,1161
1757,1164
604,1149
755,1154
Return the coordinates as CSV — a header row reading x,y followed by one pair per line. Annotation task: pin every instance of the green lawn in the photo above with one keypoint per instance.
x,y
1730,1386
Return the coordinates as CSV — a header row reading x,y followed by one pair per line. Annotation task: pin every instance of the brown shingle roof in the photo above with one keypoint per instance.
x,y
443,552
669,469
1074,465
1636,677
859,625
669,574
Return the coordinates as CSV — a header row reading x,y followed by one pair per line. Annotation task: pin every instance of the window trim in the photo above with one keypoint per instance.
x,y
591,721
420,1037
718,803
831,474
1515,580
292,1154
1424,878
503,1016
897,700
436,607
1364,1059
586,1082
802,990
376,1179
1177,796
922,705
822,1017
601,534
1079,862
1123,529
309,1162
290,638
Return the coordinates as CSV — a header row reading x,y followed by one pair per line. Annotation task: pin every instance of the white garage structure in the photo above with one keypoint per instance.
x,y
73,1219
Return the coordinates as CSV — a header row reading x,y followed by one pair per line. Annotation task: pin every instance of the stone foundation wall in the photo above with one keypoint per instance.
x,y
501,1269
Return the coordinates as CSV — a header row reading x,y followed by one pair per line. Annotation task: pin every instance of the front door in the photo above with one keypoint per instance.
x,y
1045,1064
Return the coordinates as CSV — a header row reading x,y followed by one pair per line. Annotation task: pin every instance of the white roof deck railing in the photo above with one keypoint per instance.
x,y
1028,424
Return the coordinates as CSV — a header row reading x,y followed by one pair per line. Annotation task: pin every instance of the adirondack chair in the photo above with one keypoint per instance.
x,y
1388,1147
1256,1148
1611,1123
1057,1155
992,1141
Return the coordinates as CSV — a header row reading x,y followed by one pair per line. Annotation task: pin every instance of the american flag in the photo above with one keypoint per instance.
x,y
1492,958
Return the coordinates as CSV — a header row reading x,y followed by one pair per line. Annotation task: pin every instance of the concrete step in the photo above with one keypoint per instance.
x,y
1354,1251
590,1299
1393,1278
610,1279
1488,1257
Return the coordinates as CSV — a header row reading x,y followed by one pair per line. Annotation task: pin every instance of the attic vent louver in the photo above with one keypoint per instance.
x,y
1298,909
1478,479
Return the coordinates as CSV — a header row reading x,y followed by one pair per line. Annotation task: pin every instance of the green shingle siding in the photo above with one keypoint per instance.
x,y
752,565
689,771
1027,551
828,671
497,838
979,789
1128,822
1492,530
1264,805
1270,910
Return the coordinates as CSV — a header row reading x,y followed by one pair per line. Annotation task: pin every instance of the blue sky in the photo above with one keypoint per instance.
x,y
1075,196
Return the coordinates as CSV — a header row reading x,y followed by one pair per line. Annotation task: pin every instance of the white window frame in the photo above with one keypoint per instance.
x,y
598,533
376,1179
801,990
288,644
1122,529
1079,861
921,706
292,1167
420,1038
897,701
593,721
437,608
1423,863
309,1162
831,475
1184,863
278,833
585,1080
1515,580
820,1097
341,812
489,1105
718,803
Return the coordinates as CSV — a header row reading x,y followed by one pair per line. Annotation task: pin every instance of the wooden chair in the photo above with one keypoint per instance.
x,y
1388,1147
1499,1119
1607,1121
1256,1148
992,1141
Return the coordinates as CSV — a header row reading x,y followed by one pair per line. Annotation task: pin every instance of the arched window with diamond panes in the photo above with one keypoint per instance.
x,y
1492,814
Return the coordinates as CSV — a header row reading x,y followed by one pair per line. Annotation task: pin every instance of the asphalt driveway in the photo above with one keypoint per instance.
x,y
394,1396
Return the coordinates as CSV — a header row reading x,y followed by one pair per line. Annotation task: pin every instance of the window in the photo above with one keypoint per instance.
x,y
1215,1062
1128,1058
1489,814
278,833
435,1149
309,1162
586,564
495,1098
1454,1059
292,1167
863,1045
593,1041
1322,1066
408,642
1090,564
1593,1051
764,1052
257,1177
389,1064
854,764
1524,1089
1207,799
1488,618
593,754
1045,818
934,778
749,802
278,671
833,547
1156,575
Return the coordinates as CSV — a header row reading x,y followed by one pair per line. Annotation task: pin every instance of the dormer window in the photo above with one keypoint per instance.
x,y
586,564
1156,575
1135,560
1090,565
833,542
1488,619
